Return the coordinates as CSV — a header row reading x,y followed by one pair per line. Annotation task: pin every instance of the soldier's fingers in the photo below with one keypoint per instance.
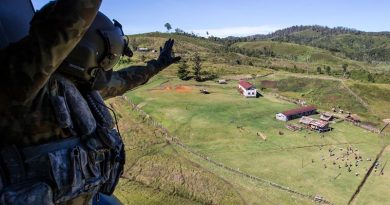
x,y
171,44
176,59
166,44
168,48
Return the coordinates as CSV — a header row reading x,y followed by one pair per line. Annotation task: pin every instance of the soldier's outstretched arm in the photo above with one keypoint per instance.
x,y
55,30
134,76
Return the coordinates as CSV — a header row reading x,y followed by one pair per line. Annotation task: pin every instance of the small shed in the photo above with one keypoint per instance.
x,y
222,81
327,117
143,49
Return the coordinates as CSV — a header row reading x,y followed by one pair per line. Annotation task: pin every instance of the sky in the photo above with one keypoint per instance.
x,y
224,18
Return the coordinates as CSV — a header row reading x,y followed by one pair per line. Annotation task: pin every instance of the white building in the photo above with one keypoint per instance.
x,y
222,81
247,89
143,49
282,117
296,113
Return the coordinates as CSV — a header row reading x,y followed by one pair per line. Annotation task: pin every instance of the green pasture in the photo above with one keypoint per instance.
x,y
223,125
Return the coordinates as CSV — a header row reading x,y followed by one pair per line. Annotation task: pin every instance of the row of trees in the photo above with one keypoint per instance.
x,y
355,74
185,74
328,70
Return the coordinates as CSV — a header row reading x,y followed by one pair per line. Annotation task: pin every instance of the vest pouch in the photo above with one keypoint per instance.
x,y
27,193
115,159
70,172
116,171
61,112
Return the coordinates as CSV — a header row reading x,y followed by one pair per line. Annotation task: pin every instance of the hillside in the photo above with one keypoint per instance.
x,y
357,45
235,57
248,58
299,53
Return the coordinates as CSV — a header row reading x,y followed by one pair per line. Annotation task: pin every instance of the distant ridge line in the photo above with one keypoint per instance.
x,y
321,29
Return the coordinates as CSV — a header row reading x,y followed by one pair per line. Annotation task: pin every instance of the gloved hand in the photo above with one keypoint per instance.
x,y
166,57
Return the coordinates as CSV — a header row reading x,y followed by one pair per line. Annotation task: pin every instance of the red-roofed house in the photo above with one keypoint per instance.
x,y
296,113
247,89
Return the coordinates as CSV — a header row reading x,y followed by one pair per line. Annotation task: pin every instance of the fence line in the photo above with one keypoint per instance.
x,y
175,140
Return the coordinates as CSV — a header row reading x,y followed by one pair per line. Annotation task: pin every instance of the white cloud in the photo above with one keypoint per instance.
x,y
238,31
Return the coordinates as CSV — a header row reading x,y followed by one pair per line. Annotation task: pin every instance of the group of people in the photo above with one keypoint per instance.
x,y
59,143
348,158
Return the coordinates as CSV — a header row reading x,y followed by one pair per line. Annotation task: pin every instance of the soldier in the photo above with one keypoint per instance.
x,y
58,140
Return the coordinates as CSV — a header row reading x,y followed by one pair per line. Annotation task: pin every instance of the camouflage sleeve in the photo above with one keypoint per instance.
x,y
55,30
131,77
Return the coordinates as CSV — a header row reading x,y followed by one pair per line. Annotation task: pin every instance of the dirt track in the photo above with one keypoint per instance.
x,y
177,88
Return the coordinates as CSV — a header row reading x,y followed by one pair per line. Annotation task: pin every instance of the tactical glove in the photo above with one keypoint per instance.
x,y
166,58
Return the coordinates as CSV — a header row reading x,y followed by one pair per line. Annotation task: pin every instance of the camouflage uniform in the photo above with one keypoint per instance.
x,y
27,116
131,77
27,65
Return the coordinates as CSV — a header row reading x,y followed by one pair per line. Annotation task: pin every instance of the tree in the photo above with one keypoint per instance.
x,y
370,78
168,26
197,68
295,69
183,71
319,70
179,31
345,66
328,70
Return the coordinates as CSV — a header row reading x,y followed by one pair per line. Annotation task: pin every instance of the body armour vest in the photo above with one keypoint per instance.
x,y
89,160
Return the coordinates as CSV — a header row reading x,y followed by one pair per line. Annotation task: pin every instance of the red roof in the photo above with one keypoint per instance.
x,y
299,110
245,84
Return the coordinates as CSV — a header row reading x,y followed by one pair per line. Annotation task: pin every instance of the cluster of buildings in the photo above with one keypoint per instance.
x,y
321,125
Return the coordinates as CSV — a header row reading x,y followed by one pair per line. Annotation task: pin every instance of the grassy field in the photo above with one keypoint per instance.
x,y
376,95
155,173
377,182
224,126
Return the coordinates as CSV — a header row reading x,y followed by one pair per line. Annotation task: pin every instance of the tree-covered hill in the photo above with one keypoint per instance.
x,y
243,55
354,44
